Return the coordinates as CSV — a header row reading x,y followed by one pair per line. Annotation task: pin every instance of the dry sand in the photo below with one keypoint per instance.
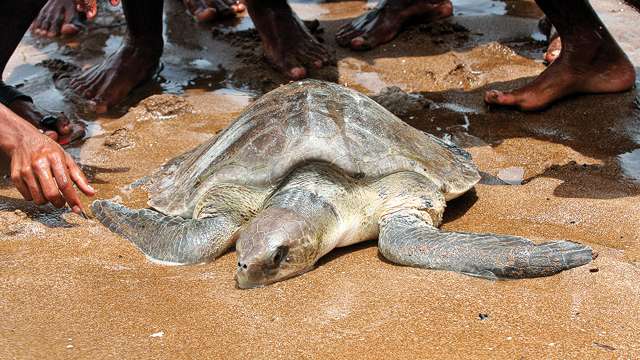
x,y
69,288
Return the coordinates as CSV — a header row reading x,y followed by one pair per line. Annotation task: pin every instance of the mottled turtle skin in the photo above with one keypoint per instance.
x,y
312,166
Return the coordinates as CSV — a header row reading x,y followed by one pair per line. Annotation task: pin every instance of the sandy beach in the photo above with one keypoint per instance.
x,y
69,288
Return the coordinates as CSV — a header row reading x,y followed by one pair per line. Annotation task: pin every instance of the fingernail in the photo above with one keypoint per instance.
x,y
91,188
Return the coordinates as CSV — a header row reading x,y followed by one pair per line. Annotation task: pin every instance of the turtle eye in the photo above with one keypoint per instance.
x,y
280,255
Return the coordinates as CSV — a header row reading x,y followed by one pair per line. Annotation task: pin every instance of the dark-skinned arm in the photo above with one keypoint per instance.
x,y
40,169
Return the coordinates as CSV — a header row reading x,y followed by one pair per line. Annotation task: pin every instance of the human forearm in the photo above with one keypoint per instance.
x,y
13,129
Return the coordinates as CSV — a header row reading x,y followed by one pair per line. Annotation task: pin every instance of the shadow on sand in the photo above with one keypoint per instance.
x,y
602,127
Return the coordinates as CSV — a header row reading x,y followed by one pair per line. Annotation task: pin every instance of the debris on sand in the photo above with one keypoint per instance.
x,y
463,75
157,334
119,139
163,107
604,346
401,103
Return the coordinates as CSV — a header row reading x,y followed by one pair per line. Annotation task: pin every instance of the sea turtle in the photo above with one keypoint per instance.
x,y
312,166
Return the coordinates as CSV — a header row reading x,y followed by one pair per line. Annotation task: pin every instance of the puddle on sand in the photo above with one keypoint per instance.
x,y
630,164
512,175
305,9
244,23
517,8
458,108
309,9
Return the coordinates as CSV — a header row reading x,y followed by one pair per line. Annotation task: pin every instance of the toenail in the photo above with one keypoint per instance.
x,y
297,72
358,42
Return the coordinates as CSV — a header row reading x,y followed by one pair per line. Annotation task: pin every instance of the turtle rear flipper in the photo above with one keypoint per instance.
x,y
168,238
407,240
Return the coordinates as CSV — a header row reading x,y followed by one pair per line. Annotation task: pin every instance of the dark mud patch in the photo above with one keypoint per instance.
x,y
60,69
528,47
442,32
444,28
443,119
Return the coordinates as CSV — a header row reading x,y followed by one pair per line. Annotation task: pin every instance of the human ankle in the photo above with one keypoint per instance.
x,y
144,46
15,129
407,10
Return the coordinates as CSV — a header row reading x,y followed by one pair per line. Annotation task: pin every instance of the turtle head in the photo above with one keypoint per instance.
x,y
277,244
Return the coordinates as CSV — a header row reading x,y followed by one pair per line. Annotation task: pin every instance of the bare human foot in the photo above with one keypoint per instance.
x,y
553,39
288,45
107,84
383,23
58,17
209,10
135,62
590,62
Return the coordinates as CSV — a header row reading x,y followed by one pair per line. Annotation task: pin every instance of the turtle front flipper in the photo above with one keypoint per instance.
x,y
168,238
408,240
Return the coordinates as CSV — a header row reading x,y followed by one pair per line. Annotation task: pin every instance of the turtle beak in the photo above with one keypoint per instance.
x,y
248,277
256,277
242,282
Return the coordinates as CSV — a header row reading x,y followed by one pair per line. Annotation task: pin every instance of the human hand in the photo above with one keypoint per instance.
x,y
62,130
43,172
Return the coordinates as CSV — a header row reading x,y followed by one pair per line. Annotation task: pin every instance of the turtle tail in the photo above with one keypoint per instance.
x,y
167,238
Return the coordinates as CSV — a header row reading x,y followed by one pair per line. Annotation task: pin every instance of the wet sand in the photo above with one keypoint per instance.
x,y
69,288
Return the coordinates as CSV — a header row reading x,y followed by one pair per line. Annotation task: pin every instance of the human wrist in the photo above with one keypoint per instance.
x,y
13,130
